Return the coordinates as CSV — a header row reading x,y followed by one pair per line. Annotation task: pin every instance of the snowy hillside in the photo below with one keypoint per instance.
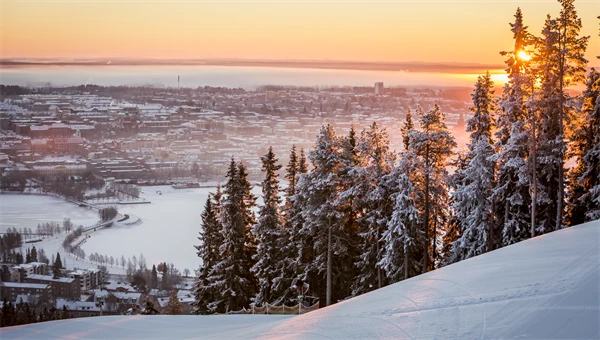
x,y
544,288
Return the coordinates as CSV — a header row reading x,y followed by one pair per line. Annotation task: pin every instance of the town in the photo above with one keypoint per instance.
x,y
152,135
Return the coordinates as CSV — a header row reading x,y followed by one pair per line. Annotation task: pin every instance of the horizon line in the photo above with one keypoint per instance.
x,y
390,66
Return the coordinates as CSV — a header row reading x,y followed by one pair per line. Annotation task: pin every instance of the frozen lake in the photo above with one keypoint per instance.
x,y
168,233
26,211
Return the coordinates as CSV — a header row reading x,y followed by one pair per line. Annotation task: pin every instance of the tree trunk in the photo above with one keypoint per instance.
x,y
533,178
427,240
426,222
379,279
434,239
561,174
328,292
406,256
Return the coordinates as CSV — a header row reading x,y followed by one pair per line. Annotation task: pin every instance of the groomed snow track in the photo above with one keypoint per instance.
x,y
544,288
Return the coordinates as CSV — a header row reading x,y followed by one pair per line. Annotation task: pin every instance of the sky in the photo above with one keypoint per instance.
x,y
393,30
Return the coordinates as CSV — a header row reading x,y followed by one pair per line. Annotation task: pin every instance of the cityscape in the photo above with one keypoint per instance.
x,y
299,169
147,134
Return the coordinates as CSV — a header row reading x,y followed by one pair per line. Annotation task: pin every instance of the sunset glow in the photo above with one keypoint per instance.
x,y
524,56
333,30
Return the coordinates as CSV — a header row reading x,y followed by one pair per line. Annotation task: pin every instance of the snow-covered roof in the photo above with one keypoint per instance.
x,y
77,305
50,278
114,285
24,285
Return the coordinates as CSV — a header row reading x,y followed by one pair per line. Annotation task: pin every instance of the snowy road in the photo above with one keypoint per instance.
x,y
545,288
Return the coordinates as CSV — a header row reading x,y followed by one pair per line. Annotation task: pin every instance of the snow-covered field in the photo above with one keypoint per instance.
x,y
168,232
544,288
26,211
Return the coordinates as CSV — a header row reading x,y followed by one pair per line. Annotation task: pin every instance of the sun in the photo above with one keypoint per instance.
x,y
523,56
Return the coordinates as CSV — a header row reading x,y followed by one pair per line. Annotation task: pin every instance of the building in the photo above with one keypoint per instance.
x,y
88,278
85,308
10,290
62,287
10,273
120,301
379,88
32,268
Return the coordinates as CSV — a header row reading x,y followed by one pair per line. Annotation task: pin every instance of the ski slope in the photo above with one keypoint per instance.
x,y
544,288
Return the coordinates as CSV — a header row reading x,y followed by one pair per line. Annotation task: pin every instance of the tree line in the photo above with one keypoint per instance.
x,y
22,313
364,216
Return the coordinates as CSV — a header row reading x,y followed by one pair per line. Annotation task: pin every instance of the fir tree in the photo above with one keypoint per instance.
x,y
208,250
372,189
433,146
268,231
473,205
165,277
516,142
406,128
561,64
291,175
231,276
174,305
34,255
154,278
302,164
586,148
56,267
319,189
347,204
400,237
296,249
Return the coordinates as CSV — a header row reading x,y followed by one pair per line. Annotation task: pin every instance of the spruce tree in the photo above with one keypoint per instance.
x,y
321,229
247,205
372,187
231,277
400,241
561,64
57,266
302,164
174,305
516,142
584,178
406,128
268,231
472,198
154,278
433,146
296,249
208,250
347,204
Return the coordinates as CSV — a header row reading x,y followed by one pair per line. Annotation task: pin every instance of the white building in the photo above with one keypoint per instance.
x,y
379,87
88,278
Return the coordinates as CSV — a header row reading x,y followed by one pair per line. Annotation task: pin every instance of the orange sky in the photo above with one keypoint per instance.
x,y
392,30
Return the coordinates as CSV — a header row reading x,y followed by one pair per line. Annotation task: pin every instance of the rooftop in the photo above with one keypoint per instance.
x,y
50,278
24,285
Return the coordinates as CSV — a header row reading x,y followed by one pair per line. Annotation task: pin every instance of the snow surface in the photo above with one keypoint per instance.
x,y
26,211
168,230
544,288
